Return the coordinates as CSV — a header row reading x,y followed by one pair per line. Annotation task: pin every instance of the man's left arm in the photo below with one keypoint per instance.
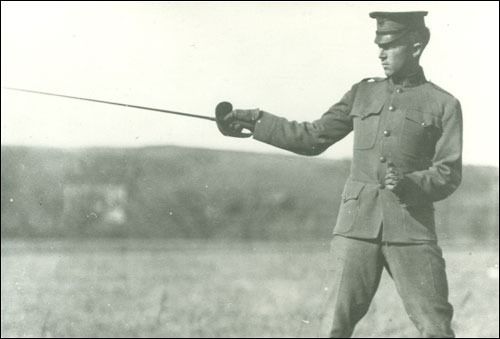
x,y
445,174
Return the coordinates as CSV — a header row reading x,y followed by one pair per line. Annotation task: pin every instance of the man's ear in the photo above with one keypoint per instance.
x,y
418,48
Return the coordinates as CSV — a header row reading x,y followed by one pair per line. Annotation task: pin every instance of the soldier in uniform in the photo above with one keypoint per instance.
x,y
407,154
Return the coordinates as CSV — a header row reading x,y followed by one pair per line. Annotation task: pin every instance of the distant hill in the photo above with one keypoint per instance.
x,y
177,192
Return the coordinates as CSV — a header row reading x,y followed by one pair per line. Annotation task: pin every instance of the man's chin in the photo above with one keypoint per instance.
x,y
388,72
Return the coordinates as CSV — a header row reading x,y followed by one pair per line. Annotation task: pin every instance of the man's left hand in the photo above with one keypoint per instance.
x,y
392,177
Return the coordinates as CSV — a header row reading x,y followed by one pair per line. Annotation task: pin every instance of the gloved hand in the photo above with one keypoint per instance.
x,y
227,121
243,119
393,177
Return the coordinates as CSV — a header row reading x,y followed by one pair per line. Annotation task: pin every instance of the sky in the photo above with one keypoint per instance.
x,y
290,59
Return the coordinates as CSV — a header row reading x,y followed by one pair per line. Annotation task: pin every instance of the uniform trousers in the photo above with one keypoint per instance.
x,y
355,268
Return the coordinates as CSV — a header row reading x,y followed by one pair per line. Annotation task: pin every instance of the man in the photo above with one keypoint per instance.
x,y
407,154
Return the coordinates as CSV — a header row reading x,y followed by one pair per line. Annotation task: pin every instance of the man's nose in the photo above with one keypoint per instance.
x,y
382,55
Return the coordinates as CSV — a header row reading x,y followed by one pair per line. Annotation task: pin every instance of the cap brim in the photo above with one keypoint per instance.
x,y
396,14
381,39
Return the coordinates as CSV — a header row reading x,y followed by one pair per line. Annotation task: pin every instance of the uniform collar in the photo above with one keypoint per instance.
x,y
411,80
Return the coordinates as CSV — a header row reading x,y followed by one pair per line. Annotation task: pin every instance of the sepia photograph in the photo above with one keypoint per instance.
x,y
267,169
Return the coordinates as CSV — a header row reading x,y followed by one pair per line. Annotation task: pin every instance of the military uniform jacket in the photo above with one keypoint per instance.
x,y
412,124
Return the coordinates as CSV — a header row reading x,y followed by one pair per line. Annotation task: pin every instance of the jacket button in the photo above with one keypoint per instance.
x,y
424,124
382,159
399,90
391,108
387,133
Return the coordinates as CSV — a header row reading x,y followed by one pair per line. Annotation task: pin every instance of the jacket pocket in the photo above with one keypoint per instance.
x,y
349,208
366,119
419,133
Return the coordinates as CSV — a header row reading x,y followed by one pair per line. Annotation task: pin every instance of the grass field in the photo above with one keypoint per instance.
x,y
208,289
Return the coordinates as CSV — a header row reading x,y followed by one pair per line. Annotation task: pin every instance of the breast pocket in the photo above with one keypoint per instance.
x,y
419,133
366,119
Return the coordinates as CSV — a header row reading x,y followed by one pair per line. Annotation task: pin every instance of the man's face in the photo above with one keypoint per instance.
x,y
396,57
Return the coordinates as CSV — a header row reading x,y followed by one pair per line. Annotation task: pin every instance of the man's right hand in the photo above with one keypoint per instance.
x,y
236,121
243,118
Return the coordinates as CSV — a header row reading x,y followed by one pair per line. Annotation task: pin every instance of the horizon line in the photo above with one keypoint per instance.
x,y
272,153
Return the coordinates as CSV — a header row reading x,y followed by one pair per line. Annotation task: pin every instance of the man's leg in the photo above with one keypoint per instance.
x,y
419,274
355,270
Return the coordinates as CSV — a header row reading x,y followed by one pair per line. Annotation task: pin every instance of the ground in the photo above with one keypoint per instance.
x,y
161,288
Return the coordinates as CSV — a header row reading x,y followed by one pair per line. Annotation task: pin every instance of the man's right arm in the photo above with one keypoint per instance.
x,y
307,138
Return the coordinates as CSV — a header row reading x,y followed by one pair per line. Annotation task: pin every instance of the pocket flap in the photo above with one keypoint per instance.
x,y
415,115
424,119
352,190
432,120
365,108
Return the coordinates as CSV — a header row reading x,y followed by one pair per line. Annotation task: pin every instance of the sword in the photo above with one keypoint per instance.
x,y
221,110
114,103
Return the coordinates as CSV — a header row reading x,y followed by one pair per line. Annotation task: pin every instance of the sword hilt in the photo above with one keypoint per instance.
x,y
221,110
